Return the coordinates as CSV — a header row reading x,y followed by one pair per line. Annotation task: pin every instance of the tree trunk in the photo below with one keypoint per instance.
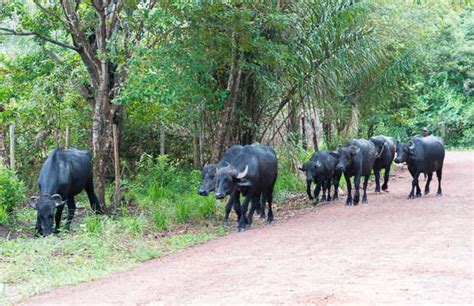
x,y
315,135
352,125
101,131
228,113
303,132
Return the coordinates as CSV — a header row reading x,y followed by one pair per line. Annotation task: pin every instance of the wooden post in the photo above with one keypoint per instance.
x,y
3,148
12,146
315,135
116,165
303,131
162,139
66,141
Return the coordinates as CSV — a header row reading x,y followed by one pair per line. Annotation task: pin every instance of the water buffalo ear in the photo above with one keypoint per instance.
x,y
244,183
58,200
33,201
354,150
334,154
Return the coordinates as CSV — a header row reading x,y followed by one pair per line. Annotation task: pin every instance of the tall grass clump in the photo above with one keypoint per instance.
x,y
12,193
169,190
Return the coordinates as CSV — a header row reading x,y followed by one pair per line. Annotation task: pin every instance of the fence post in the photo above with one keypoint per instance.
x,y
12,146
116,165
66,142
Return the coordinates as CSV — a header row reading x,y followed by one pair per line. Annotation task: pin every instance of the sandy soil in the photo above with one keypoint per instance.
x,y
392,250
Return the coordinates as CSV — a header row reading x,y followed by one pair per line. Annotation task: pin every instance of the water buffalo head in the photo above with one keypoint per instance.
x,y
208,175
229,178
45,207
345,156
404,151
311,168
380,145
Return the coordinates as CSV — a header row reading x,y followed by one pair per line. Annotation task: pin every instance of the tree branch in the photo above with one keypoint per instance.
x,y
41,36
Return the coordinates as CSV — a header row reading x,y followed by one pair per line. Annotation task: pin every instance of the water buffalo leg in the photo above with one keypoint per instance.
x,y
237,207
93,200
270,211
228,207
336,187
39,229
324,187
317,190
364,196
255,203
439,173
386,175
349,187
308,190
427,186
263,200
57,217
414,184
71,209
356,189
377,179
328,187
243,221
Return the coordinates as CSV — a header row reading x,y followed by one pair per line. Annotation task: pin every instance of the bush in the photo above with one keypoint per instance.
x,y
183,212
12,193
159,220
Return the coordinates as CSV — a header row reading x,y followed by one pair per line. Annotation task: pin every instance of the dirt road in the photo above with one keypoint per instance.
x,y
390,251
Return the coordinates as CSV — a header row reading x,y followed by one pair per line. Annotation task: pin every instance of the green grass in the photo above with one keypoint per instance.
x,y
162,202
94,249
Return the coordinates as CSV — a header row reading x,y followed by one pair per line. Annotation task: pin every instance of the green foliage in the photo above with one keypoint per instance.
x,y
93,225
12,193
159,220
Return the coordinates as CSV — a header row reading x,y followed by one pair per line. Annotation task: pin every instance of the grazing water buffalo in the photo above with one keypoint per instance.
x,y
208,175
385,147
422,155
356,159
64,174
253,173
321,169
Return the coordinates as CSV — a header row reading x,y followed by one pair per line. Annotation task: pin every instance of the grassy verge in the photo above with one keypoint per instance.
x,y
162,213
96,247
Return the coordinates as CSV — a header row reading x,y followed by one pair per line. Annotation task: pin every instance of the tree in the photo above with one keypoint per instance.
x,y
103,33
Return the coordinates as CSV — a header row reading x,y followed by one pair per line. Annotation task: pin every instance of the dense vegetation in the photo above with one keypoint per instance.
x,y
183,80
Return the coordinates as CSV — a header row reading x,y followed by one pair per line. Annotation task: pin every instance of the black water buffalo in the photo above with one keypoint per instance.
x,y
385,147
356,159
321,169
64,174
422,155
253,174
208,175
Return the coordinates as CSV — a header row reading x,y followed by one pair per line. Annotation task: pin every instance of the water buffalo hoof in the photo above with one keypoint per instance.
x,y
418,195
377,189
349,203
365,201
427,192
384,188
263,217
240,229
439,194
410,197
271,222
56,231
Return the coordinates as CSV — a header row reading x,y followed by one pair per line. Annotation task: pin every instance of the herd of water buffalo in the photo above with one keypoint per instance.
x,y
250,171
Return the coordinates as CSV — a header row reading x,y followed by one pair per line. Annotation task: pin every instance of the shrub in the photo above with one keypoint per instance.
x,y
207,209
93,225
159,220
12,192
133,225
183,212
